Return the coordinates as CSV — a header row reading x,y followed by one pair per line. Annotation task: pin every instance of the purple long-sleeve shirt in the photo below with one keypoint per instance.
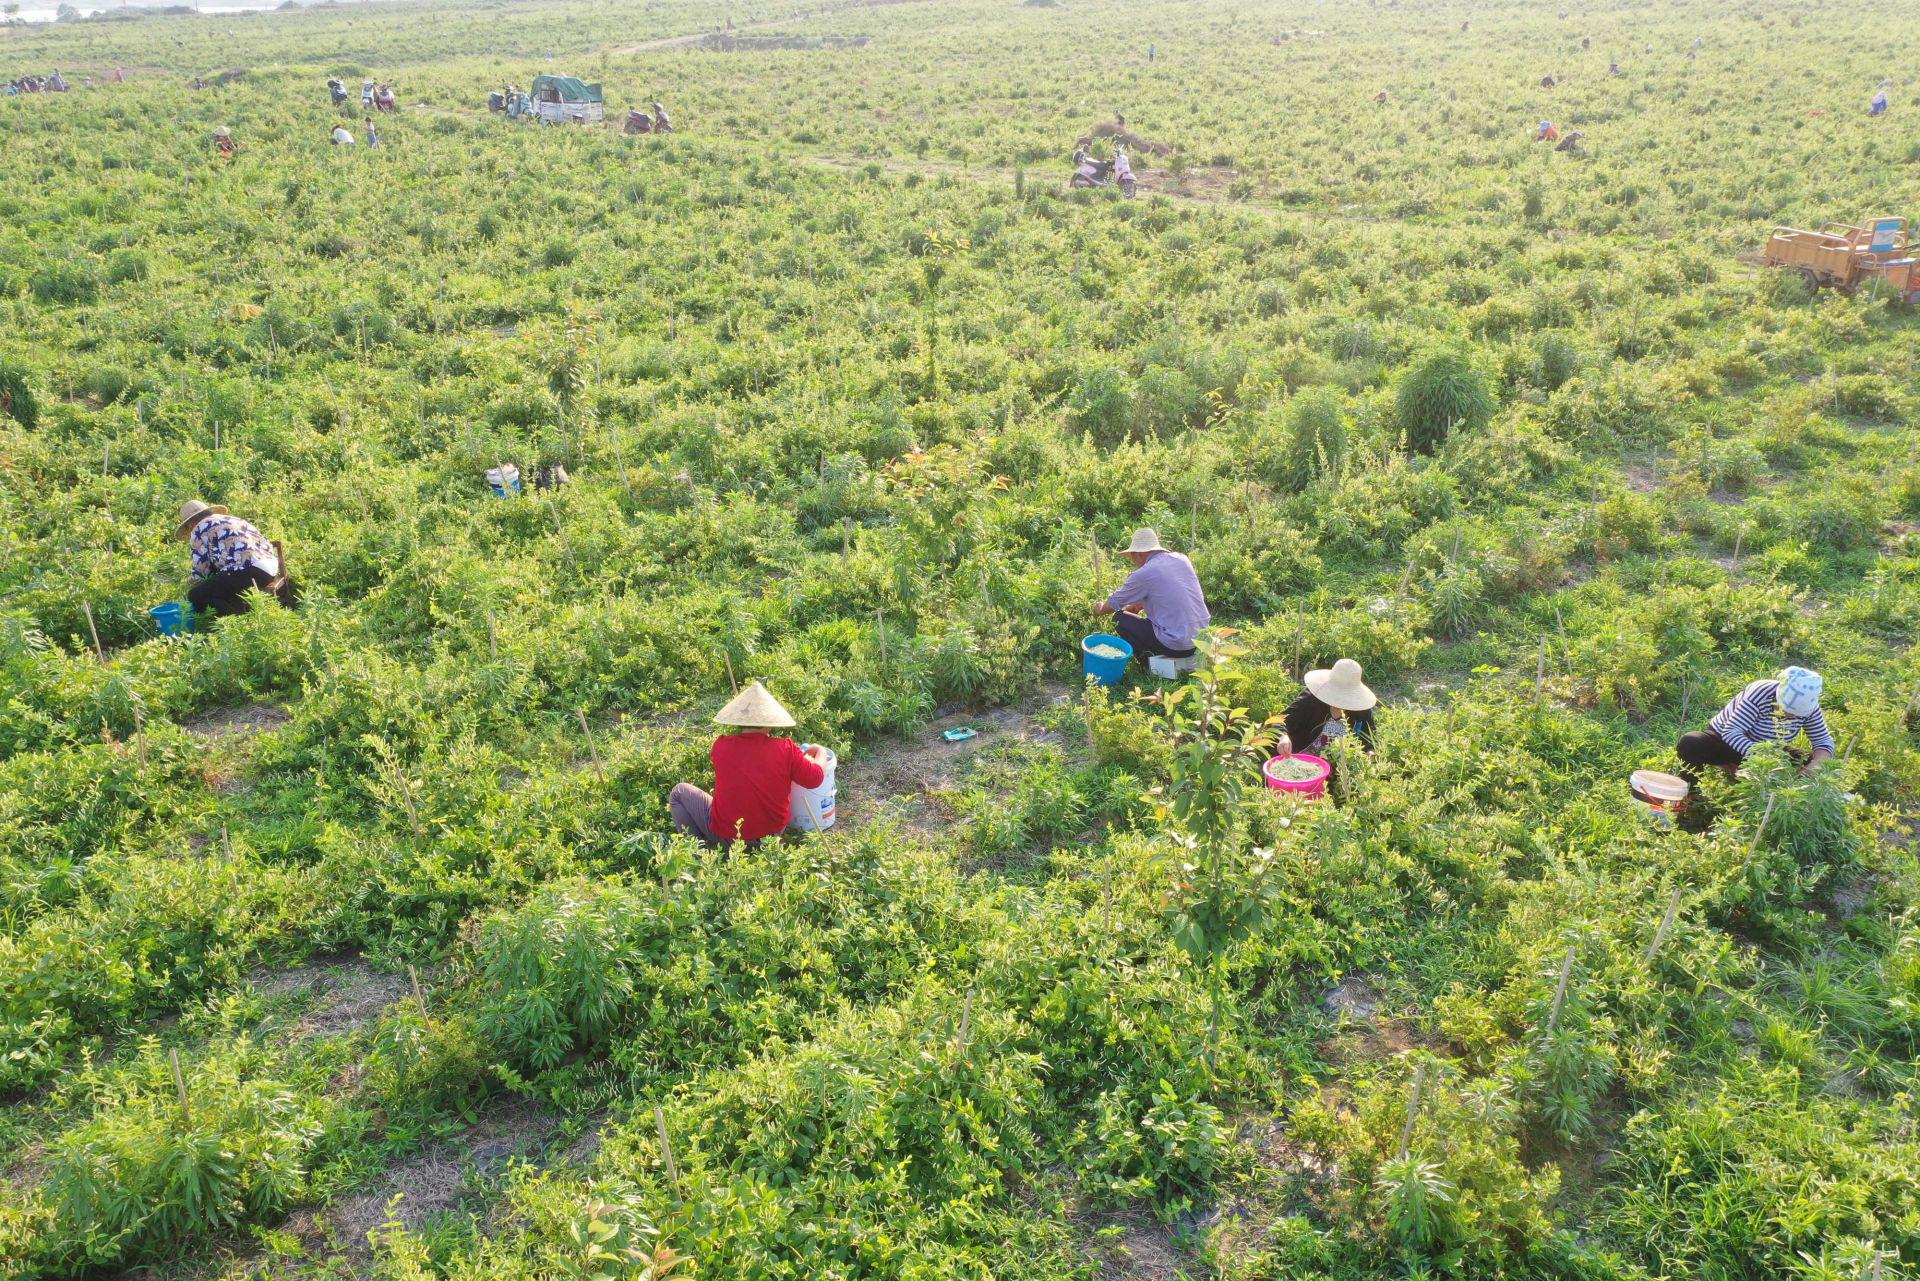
x,y
1170,590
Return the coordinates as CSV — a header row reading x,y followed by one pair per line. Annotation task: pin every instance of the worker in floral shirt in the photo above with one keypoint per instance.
x,y
230,558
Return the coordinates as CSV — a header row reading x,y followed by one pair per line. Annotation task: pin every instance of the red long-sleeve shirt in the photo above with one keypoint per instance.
x,y
753,774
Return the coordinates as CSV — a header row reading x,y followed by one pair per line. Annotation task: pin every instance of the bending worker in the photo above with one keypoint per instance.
x,y
1335,700
1159,609
230,558
753,775
1772,711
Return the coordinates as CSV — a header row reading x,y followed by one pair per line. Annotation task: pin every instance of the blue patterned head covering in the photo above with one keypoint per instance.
x,y
1799,691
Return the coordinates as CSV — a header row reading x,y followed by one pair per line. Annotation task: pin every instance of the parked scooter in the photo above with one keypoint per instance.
x,y
1117,172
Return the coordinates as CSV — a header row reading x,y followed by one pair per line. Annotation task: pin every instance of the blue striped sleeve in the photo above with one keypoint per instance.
x,y
1817,732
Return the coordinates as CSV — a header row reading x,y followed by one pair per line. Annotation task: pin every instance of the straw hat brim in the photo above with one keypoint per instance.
x,y
1348,698
185,526
754,708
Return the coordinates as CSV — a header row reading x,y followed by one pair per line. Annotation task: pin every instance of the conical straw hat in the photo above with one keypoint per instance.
x,y
754,708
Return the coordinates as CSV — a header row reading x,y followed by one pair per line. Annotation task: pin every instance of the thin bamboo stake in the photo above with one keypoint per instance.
x,y
1733,566
1560,992
1666,923
97,651
405,787
226,842
179,1081
1413,1109
592,751
1761,830
666,1148
966,1024
727,655
1848,747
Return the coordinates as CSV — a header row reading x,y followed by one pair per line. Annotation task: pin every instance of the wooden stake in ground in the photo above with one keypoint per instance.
x,y
97,651
666,1149
1413,1108
593,752
419,997
727,655
966,1024
179,1081
1666,923
1761,830
1733,566
1560,992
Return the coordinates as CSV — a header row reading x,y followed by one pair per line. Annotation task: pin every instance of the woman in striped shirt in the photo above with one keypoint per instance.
x,y
1773,711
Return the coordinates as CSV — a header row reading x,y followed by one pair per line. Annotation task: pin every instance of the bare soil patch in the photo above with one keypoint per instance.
x,y
348,993
1142,1250
431,1183
901,779
244,721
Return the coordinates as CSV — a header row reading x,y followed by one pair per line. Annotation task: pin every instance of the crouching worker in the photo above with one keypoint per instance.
x,y
1774,711
230,558
1159,609
753,775
1334,701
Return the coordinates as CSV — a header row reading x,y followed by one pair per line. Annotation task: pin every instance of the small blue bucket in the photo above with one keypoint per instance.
x,y
1107,671
175,618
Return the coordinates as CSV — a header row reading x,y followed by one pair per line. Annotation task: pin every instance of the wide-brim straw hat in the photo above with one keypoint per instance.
x,y
1145,540
190,513
754,708
1341,687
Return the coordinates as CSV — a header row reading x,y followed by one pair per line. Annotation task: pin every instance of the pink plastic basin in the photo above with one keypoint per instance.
x,y
1315,786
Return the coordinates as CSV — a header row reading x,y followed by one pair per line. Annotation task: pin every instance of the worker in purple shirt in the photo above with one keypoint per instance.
x,y
1159,609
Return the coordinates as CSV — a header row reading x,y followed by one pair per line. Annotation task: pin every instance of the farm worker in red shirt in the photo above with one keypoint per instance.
x,y
753,774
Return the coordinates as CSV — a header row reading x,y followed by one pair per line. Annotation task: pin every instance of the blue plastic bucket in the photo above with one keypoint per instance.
x,y
1107,671
175,618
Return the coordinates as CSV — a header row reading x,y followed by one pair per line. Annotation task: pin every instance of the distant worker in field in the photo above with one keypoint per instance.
x,y
661,124
1571,143
1160,608
341,138
1767,711
1546,132
1150,53
1879,107
1381,97
1547,82
229,558
373,135
1613,69
223,144
1334,701
753,775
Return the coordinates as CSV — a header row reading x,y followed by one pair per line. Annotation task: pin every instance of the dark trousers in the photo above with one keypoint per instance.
x,y
225,592
1138,632
1704,748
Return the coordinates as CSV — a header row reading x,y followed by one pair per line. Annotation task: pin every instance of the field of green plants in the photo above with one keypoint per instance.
x,y
349,940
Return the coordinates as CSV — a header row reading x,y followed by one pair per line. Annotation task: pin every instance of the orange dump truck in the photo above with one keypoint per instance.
x,y
1876,255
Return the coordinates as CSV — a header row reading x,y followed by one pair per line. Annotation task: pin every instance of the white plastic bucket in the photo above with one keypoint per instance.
x,y
811,809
